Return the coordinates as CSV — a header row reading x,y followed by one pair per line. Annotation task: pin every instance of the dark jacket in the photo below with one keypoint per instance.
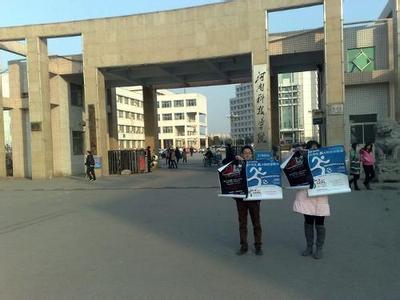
x,y
90,161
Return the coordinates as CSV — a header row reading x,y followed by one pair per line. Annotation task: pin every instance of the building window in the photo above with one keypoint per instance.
x,y
77,142
168,129
76,94
120,114
363,128
202,118
179,116
361,60
203,130
121,129
166,104
126,100
191,102
179,103
167,117
127,114
286,117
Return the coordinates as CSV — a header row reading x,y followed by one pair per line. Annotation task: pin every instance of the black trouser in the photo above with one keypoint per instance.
x,y
253,207
318,220
369,174
90,173
173,164
354,179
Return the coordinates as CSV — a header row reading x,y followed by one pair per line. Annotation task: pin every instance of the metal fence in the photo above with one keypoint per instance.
x,y
133,160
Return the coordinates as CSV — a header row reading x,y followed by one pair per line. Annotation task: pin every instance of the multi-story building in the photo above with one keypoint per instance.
x,y
130,118
297,96
242,113
182,119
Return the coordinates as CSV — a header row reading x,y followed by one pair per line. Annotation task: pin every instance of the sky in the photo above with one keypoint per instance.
x,y
22,12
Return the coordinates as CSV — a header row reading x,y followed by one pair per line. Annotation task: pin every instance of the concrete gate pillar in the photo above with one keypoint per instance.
x,y
261,82
275,111
396,42
150,118
96,134
19,155
2,143
39,108
113,119
334,72
60,119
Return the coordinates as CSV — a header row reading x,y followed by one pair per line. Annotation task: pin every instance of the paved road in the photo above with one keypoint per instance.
x,y
166,235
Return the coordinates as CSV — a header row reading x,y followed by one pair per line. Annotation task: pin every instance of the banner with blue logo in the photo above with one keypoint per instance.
x,y
263,155
263,180
328,169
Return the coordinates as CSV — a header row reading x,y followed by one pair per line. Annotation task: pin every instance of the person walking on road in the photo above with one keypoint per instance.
x,y
208,156
191,151
368,162
149,158
90,164
184,155
355,166
172,159
314,209
229,154
177,154
248,207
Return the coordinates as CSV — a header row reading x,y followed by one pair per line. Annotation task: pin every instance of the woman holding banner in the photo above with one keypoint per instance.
x,y
314,209
245,207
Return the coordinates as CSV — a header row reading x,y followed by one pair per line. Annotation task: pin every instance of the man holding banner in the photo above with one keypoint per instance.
x,y
245,207
248,182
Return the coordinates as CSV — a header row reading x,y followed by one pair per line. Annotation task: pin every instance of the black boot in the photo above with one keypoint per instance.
x,y
321,232
309,234
243,250
258,251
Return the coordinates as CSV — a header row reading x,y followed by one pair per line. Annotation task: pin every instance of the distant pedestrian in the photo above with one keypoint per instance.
x,y
355,166
149,158
314,209
184,155
229,154
167,156
208,157
177,154
191,150
90,164
368,162
248,207
172,160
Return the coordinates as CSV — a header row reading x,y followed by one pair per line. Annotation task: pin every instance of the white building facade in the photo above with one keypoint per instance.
x,y
182,119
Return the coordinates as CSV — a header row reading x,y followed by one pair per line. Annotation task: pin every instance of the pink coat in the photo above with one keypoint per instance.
x,y
313,206
367,158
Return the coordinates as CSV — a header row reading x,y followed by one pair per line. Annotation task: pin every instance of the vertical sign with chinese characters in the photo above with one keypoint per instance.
x,y
260,86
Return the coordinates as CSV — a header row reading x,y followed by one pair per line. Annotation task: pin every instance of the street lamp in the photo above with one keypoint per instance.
x,y
232,116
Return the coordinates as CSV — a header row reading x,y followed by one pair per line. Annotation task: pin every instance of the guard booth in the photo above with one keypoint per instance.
x,y
133,160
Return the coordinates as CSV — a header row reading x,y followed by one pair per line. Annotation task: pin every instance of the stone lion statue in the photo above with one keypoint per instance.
x,y
387,149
